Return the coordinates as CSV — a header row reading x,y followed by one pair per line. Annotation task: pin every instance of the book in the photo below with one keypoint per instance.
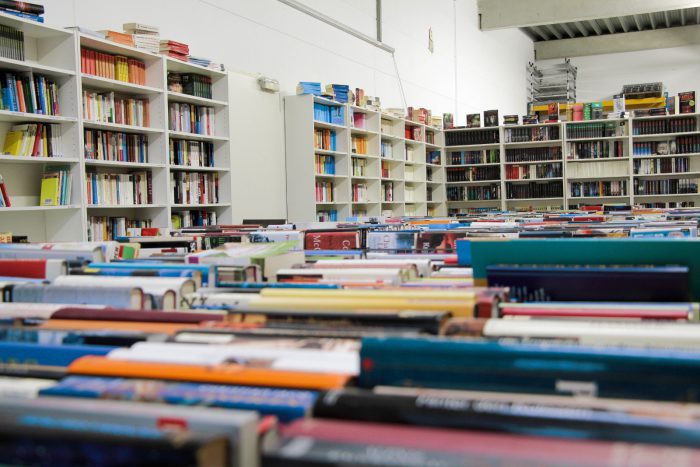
x,y
24,7
33,268
50,189
123,297
332,240
686,102
491,118
553,112
636,310
4,197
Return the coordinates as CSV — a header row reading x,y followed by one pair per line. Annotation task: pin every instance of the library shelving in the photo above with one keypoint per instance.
x,y
344,161
114,128
635,160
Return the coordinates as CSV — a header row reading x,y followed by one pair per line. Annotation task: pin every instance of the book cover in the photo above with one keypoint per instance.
x,y
686,102
50,189
474,121
553,112
490,118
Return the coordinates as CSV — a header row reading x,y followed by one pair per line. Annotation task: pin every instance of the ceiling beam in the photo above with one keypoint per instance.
x,y
609,24
538,30
682,12
638,23
568,29
596,28
652,21
621,42
580,27
623,23
500,14
554,31
668,23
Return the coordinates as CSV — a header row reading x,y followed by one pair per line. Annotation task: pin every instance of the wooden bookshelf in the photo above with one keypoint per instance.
x,y
56,54
366,141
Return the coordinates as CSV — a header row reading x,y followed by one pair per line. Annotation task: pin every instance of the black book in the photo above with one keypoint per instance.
x,y
490,117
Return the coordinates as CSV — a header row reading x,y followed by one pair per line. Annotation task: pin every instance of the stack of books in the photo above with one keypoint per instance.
x,y
174,49
309,87
338,92
26,10
119,37
144,36
510,120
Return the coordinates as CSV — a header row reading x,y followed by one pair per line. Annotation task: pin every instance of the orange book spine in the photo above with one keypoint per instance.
x,y
69,324
222,374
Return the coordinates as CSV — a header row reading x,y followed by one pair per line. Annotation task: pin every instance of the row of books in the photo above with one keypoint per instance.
x,y
327,215
674,186
359,167
386,169
11,43
329,113
388,192
595,150
359,193
386,150
474,193
192,84
114,146
681,145
325,165
190,118
325,139
596,130
191,153
104,228
194,187
603,169
106,189
30,93
359,144
414,133
111,66
105,107
598,189
535,190
533,154
670,125
433,157
56,186
462,138
485,156
324,191
661,165
532,171
193,218
472,174
33,140
535,133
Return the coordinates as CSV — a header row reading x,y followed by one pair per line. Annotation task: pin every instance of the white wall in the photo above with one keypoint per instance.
x,y
469,71
601,76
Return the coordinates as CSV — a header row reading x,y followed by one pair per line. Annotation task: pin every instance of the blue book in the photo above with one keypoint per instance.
x,y
167,269
47,355
285,404
21,14
540,368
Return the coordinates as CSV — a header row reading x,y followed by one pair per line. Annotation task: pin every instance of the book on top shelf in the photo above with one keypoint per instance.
x,y
686,102
490,117
553,112
448,120
474,121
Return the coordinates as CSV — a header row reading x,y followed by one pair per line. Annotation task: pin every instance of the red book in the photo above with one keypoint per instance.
x,y
115,314
484,448
4,193
337,240
32,268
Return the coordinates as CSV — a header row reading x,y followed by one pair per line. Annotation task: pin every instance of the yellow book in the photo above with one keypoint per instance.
x,y
13,143
49,189
430,294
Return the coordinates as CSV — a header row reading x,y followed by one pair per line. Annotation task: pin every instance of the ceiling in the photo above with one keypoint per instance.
x,y
614,25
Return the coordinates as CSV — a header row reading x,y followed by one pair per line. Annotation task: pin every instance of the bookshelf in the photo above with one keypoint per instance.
x,y
371,169
56,54
635,160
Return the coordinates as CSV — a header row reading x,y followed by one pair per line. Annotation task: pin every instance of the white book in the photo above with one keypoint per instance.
x,y
22,387
36,310
393,276
422,266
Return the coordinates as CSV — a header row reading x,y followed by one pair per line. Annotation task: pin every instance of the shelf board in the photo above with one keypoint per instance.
x,y
599,159
29,65
432,146
391,202
364,156
173,64
431,182
37,208
466,147
478,128
413,142
329,176
391,179
669,175
330,126
662,156
180,97
414,181
356,203
120,127
598,197
527,180
474,182
657,117
394,161
391,117
550,142
125,206
363,110
535,199
4,158
362,131
413,163
104,45
473,165
535,162
602,177
664,135
9,116
32,28
328,152
105,84
328,203
199,206
122,164
195,136
392,137
598,138
363,177
189,168
428,164
687,195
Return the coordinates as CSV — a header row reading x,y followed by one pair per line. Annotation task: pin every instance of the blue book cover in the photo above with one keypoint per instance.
x,y
286,404
131,267
49,355
540,368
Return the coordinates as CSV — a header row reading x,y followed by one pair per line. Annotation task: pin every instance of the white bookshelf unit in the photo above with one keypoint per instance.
x,y
56,53
374,171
